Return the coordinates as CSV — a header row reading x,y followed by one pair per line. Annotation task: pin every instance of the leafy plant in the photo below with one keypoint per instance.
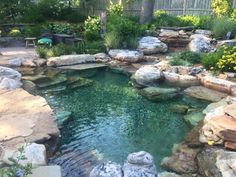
x,y
93,47
228,60
210,60
92,28
17,169
115,9
15,32
179,62
42,52
223,25
187,56
221,7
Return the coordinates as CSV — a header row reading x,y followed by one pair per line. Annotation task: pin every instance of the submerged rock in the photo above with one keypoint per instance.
x,y
159,94
204,93
178,108
152,45
46,171
9,78
58,79
147,76
62,117
182,161
215,162
70,60
194,118
130,56
109,169
140,164
77,82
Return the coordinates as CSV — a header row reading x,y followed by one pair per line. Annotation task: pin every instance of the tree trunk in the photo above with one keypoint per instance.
x,y
147,11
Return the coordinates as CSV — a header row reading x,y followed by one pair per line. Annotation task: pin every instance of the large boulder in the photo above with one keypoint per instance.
x,y
168,174
109,169
30,119
160,94
35,154
200,43
182,161
215,162
147,76
204,93
139,164
9,78
70,60
46,171
220,85
180,80
102,58
220,126
152,45
130,56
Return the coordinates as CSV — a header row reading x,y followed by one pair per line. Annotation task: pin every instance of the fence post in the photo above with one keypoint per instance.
x,y
184,7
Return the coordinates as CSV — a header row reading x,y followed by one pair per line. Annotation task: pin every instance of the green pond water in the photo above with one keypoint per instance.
x,y
110,118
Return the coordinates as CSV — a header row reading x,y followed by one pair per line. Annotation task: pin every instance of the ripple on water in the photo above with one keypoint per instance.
x,y
110,120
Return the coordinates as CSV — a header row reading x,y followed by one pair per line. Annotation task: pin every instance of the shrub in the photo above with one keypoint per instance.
x,y
33,15
210,60
92,28
33,31
179,62
228,60
189,20
112,40
15,32
221,7
60,28
205,22
233,15
93,47
162,19
75,17
115,9
187,56
223,25
42,52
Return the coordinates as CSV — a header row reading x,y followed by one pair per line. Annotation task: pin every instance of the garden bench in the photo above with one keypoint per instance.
x,y
30,41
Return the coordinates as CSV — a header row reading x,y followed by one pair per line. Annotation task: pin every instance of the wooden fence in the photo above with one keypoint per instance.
x,y
175,7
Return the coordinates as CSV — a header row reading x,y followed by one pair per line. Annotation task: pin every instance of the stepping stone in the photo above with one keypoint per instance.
x,y
81,67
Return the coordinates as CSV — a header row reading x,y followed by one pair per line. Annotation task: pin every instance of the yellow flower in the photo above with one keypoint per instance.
x,y
211,143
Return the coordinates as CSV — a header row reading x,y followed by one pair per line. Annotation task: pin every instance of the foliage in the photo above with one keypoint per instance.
x,y
17,170
189,20
92,28
42,52
179,62
223,25
187,56
115,8
15,32
233,15
210,60
205,22
228,60
162,19
75,17
221,7
33,31
93,47
60,28
122,32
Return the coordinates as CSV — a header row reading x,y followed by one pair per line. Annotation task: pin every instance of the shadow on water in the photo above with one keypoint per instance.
x,y
108,119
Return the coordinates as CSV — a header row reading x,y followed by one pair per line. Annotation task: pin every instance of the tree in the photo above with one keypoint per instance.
x,y
147,11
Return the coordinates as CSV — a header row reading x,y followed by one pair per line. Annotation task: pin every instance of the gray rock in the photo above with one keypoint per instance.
x,y
130,56
200,43
178,108
168,174
102,58
34,153
9,78
15,62
147,76
46,171
152,45
29,86
139,164
70,60
159,94
40,62
215,162
204,32
109,169
194,118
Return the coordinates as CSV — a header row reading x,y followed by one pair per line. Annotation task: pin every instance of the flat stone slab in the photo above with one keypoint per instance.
x,y
25,117
46,171
81,67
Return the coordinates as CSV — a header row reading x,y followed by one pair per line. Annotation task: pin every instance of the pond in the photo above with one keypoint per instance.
x,y
109,120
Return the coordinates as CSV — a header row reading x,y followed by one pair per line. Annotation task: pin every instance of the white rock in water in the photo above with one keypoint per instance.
x,y
109,169
130,56
9,78
147,76
140,164
152,45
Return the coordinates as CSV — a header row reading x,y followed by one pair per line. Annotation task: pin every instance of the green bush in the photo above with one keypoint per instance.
x,y
179,62
122,32
233,15
92,28
228,60
162,19
221,7
33,31
75,17
187,56
115,9
42,52
189,20
15,32
205,22
93,47
223,25
210,60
